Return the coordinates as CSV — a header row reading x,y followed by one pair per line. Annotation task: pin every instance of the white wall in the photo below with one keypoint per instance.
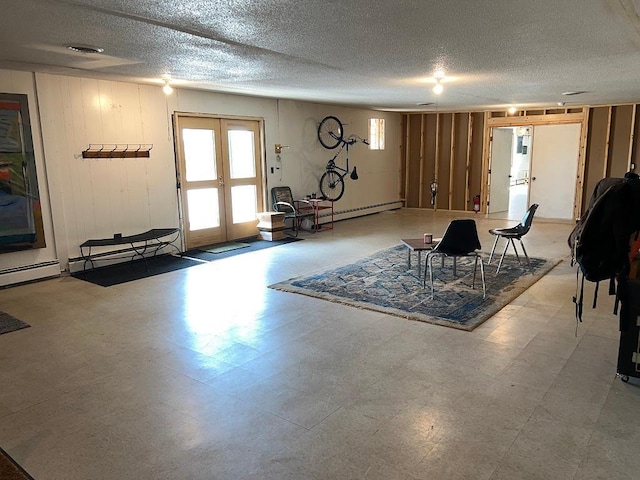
x,y
302,162
95,198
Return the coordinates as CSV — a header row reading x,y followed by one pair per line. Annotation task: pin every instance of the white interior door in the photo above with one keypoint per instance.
x,y
500,176
554,169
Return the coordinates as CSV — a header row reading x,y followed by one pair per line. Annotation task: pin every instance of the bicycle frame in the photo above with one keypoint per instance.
x,y
332,180
331,164
345,144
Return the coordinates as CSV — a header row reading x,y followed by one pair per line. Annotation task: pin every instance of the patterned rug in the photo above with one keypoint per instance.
x,y
384,283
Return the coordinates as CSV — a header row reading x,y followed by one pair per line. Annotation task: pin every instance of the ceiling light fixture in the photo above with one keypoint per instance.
x,y
167,89
438,87
512,110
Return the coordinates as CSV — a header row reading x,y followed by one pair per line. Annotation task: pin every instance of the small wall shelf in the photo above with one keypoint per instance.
x,y
105,150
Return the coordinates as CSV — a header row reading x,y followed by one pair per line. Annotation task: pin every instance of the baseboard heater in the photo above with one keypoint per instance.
x,y
28,273
365,210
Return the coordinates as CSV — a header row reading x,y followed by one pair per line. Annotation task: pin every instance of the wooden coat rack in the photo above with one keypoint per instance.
x,y
105,150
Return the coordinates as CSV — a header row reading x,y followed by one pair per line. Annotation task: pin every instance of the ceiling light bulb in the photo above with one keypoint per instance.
x,y
167,89
512,110
438,75
438,88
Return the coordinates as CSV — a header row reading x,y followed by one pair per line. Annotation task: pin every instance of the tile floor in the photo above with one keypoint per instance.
x,y
205,373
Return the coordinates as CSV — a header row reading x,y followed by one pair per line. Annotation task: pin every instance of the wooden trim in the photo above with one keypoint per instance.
x,y
452,153
534,120
407,155
467,192
436,170
632,136
422,147
582,164
607,145
486,142
220,116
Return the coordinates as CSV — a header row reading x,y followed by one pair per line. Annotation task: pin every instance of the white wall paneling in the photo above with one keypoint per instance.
x,y
95,198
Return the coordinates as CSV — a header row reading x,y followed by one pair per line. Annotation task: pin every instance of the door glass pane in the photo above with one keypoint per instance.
x,y
199,154
244,200
203,208
241,154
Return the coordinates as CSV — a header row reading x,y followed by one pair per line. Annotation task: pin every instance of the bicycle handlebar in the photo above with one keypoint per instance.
x,y
351,139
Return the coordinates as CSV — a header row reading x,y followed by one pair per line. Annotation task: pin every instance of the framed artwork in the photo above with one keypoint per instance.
x,y
20,211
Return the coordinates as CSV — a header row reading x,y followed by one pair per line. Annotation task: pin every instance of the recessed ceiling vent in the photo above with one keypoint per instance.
x,y
85,49
578,92
425,104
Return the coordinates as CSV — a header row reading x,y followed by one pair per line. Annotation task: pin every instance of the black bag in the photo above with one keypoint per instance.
x,y
600,241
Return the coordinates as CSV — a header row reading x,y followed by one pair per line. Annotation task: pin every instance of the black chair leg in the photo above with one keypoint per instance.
x,y
525,253
513,244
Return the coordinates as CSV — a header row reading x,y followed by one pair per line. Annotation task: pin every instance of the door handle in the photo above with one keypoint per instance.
x,y
533,178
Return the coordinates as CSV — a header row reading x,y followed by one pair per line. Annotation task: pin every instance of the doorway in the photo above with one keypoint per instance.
x,y
219,177
509,171
542,168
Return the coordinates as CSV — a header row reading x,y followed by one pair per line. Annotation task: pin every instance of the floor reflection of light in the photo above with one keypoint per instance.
x,y
223,306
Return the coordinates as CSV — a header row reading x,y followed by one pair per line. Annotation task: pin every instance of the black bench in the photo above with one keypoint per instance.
x,y
139,244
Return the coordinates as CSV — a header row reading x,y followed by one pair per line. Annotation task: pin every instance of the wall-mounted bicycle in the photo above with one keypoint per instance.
x,y
331,135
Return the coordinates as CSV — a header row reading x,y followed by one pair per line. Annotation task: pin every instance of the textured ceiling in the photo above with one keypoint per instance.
x,y
378,54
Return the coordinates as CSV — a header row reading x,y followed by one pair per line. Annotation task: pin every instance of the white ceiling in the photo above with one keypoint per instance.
x,y
378,54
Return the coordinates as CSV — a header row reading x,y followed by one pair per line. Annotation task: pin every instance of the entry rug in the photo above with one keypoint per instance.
x,y
253,244
384,283
10,324
227,247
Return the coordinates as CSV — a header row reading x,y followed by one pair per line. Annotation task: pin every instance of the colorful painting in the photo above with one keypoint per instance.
x,y
20,211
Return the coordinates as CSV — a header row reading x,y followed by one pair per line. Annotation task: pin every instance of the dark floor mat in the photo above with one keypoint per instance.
x,y
129,271
9,323
254,245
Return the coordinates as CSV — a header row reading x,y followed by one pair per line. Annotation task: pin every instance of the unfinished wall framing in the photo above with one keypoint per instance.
x,y
454,149
445,148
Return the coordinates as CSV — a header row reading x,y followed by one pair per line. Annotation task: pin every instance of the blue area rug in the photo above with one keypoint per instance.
x,y
383,283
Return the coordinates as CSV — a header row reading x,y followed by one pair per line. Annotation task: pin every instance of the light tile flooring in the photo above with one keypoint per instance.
x,y
205,373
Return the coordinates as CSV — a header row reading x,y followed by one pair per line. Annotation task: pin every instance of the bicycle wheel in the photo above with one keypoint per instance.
x,y
330,132
332,185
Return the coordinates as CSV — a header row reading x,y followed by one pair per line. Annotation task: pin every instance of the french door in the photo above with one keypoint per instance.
x,y
219,176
